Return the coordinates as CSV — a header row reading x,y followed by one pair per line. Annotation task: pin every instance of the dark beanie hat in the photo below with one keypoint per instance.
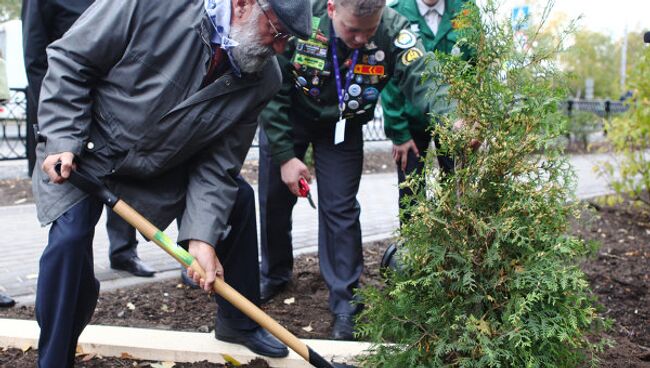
x,y
295,16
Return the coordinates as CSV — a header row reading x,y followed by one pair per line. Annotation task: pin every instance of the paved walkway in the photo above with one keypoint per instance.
x,y
22,239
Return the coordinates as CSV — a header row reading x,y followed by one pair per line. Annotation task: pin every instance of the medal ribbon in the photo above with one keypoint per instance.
x,y
337,71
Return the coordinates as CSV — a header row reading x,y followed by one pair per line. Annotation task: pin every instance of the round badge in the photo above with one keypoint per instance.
x,y
380,55
302,81
372,60
314,92
315,81
371,94
354,90
411,55
353,105
405,39
359,78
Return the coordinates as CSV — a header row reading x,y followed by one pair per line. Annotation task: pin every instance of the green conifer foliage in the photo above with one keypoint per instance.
x,y
630,137
488,274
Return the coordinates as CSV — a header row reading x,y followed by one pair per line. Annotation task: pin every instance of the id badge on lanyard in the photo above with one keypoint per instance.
x,y
339,132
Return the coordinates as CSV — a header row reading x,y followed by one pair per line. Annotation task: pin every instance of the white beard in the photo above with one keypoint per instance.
x,y
251,56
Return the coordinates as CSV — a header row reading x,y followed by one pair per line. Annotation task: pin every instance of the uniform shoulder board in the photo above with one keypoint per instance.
x,y
405,39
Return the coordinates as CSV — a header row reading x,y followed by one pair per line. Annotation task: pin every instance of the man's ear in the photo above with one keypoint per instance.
x,y
330,8
241,7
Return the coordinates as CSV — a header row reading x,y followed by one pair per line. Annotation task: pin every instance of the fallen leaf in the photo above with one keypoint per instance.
x,y
26,348
308,328
130,306
289,301
89,357
231,360
164,308
127,356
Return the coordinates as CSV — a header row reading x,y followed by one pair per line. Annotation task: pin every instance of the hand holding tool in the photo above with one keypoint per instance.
x,y
304,191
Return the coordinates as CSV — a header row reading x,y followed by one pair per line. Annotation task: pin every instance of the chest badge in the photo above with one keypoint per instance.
x,y
405,39
411,55
369,69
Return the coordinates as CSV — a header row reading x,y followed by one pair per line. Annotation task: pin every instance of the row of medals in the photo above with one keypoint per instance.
x,y
355,96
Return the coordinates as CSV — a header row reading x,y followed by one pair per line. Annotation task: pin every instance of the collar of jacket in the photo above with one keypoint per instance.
x,y
412,13
209,35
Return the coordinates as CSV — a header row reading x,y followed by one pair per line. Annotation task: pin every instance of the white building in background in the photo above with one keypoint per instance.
x,y
11,47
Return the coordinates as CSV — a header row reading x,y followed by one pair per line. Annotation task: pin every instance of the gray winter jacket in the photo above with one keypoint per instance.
x,y
122,93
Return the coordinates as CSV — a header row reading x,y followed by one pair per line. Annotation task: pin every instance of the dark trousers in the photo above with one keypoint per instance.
x,y
67,290
121,238
416,165
338,169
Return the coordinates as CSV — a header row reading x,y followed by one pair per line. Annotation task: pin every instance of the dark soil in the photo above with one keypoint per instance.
x,y
15,358
619,274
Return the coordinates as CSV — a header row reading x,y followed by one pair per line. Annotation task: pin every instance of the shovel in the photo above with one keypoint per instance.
x,y
93,187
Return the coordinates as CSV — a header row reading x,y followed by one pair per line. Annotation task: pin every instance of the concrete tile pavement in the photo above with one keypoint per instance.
x,y
22,239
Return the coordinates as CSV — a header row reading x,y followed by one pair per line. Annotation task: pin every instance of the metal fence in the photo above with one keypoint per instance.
x,y
13,141
602,108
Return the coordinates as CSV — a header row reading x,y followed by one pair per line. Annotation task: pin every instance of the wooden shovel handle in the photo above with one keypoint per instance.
x,y
220,287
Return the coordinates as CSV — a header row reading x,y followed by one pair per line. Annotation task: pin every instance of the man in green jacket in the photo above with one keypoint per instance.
x,y
331,84
404,123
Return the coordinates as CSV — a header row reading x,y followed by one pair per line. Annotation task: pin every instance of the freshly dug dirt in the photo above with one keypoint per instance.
x,y
619,275
15,358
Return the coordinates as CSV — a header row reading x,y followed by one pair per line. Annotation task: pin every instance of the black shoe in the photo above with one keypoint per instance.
x,y
343,327
269,291
133,265
6,302
187,280
259,341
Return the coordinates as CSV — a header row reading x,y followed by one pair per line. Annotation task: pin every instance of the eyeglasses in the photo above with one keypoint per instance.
x,y
278,36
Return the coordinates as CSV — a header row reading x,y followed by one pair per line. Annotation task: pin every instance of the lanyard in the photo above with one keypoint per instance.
x,y
337,71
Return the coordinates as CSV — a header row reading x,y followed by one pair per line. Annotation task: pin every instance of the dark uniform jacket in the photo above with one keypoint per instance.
x,y
400,114
123,93
309,86
45,21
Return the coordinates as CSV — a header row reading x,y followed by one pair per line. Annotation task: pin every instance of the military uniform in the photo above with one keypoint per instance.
x,y
402,120
306,110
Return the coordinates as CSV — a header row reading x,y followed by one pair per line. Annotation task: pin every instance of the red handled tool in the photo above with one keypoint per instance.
x,y
303,189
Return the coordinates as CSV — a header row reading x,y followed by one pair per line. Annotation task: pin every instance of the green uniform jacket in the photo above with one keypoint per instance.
x,y
308,92
401,116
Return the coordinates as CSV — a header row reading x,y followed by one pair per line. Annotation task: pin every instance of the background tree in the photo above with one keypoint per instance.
x,y
593,55
489,275
630,135
10,9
